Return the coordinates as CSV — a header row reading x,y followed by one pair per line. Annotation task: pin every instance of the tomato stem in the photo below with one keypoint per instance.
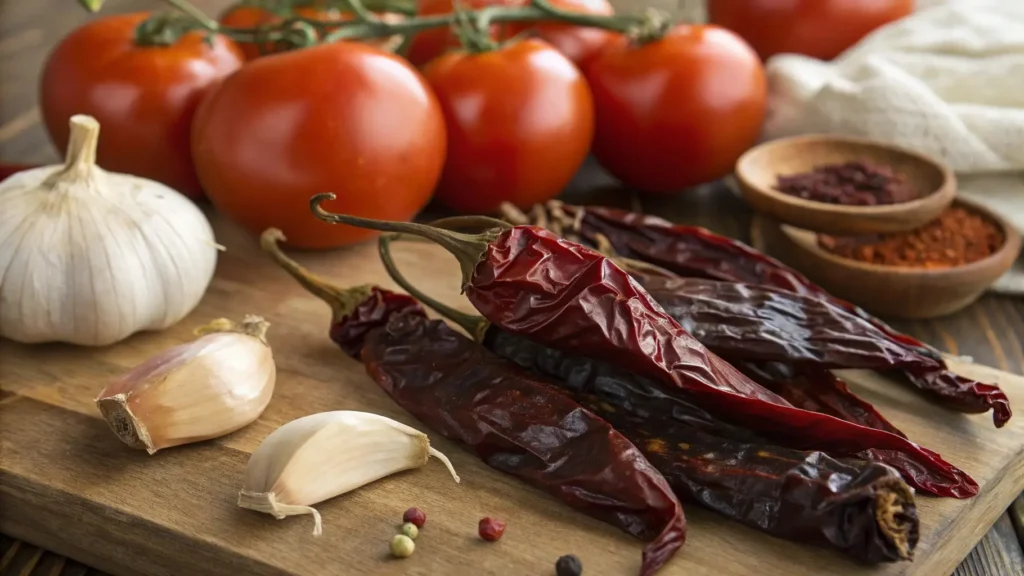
x,y
297,31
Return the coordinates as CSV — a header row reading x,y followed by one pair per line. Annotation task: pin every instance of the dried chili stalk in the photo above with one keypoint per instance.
x,y
695,252
513,421
566,297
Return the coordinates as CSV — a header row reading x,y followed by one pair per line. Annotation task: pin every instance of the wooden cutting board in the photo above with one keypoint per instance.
x,y
67,484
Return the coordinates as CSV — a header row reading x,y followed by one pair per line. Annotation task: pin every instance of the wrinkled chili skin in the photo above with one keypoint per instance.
x,y
373,312
525,427
644,400
808,497
762,323
565,296
693,251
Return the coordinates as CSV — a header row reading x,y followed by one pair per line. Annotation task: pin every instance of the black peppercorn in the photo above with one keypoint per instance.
x,y
568,565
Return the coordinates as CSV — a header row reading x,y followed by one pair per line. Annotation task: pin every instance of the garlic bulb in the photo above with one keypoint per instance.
x,y
90,257
207,388
321,456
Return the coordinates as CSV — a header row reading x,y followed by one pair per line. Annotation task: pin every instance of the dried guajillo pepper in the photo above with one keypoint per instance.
x,y
695,252
863,508
515,422
567,297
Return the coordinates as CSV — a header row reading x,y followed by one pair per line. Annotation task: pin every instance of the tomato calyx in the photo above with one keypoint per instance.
x,y
654,25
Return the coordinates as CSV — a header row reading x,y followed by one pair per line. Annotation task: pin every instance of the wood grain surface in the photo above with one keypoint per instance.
x,y
991,331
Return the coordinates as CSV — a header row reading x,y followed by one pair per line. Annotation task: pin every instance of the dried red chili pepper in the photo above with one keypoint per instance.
x,y
862,508
513,421
695,252
848,183
562,295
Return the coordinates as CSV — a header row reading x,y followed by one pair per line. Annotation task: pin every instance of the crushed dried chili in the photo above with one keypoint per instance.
x,y
513,421
691,251
956,237
848,183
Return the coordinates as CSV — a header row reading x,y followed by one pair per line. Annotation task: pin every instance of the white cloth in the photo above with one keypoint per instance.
x,y
947,80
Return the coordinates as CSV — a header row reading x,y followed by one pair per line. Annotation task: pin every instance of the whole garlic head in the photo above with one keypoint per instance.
x,y
90,257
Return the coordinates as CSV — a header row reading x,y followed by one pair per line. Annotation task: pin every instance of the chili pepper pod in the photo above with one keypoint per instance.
x,y
508,418
861,508
696,252
562,295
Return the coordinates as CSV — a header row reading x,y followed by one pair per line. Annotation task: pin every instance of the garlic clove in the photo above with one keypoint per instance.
x,y
324,455
204,389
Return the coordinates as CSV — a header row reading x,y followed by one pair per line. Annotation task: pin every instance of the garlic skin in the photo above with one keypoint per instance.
x,y
207,388
90,257
318,457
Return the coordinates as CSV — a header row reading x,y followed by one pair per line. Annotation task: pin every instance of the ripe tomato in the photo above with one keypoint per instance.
x,y
579,43
244,16
431,43
144,97
520,120
818,28
345,118
677,111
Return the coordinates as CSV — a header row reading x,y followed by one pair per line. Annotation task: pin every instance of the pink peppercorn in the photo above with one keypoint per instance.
x,y
415,516
491,529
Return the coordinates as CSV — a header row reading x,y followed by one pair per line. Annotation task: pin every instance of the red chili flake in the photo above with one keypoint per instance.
x,y
415,516
491,529
851,183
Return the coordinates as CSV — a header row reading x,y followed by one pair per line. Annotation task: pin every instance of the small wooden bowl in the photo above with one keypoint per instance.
x,y
758,169
889,290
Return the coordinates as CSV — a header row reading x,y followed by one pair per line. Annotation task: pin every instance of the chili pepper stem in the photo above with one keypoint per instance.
x,y
468,249
475,326
342,301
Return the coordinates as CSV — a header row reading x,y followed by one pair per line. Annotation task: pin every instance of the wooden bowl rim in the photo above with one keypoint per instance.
x,y
947,187
1009,251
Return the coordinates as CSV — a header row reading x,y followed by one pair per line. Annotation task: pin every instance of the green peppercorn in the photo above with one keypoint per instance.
x,y
402,546
410,530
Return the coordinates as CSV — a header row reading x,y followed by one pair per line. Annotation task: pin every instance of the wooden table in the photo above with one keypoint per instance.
x,y
991,331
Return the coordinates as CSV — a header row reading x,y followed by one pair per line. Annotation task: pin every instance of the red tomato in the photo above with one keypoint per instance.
x,y
579,43
144,97
818,28
678,111
345,118
520,120
243,16
431,43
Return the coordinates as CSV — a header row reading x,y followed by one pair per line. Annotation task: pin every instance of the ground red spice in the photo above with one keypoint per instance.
x,y
957,237
850,184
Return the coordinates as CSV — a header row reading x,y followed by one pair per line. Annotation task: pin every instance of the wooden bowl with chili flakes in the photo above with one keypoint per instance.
x,y
928,288
844,185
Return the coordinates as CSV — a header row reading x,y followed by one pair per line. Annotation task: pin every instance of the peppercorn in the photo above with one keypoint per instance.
x,y
415,516
491,529
410,530
402,546
568,565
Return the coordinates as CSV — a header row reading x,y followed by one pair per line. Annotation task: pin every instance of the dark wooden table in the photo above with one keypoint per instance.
x,y
991,331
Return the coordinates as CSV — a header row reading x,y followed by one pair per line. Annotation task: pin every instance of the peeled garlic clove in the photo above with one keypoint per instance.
x,y
321,456
207,388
